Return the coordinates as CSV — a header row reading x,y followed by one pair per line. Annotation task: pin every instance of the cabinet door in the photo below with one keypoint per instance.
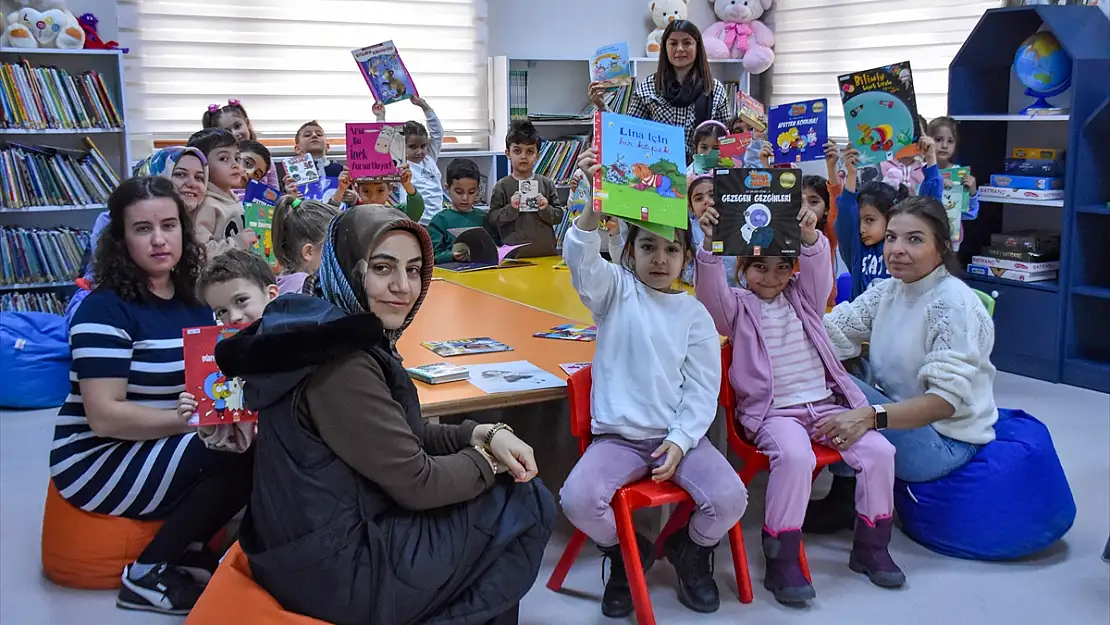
x,y
1026,329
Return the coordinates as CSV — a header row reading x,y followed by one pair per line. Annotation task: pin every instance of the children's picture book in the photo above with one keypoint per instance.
x,y
219,397
759,212
611,65
484,252
643,170
529,195
751,111
375,151
881,112
571,368
955,199
512,377
576,202
463,347
322,190
569,332
732,149
258,215
302,169
438,373
385,73
799,131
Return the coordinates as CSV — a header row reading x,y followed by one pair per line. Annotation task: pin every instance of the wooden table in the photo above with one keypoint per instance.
x,y
453,311
539,286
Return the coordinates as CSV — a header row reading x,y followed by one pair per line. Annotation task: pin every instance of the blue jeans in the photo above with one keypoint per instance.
x,y
921,454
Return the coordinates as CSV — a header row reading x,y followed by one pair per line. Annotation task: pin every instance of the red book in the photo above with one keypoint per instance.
x,y
734,146
219,398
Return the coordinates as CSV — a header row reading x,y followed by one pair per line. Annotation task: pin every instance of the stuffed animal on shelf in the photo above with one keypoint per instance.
x,y
740,35
43,24
663,12
93,41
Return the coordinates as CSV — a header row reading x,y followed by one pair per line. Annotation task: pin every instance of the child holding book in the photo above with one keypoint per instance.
x,y
422,153
699,197
219,220
379,192
518,223
298,232
944,133
237,286
233,118
463,177
654,422
788,380
311,139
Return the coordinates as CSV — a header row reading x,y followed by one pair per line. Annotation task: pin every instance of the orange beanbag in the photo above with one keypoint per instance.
x,y
233,597
86,550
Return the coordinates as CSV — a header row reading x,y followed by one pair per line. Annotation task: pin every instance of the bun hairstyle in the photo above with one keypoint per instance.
x,y
211,117
298,223
522,132
931,211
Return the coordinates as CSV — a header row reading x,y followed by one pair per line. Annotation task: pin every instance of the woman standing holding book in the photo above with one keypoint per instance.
x,y
682,92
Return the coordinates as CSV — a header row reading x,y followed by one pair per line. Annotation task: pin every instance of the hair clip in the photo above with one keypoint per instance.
x,y
296,203
212,108
232,102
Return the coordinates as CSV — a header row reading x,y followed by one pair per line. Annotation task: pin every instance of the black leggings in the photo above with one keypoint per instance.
x,y
208,489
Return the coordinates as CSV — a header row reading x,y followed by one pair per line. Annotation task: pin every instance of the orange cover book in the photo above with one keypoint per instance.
x,y
219,398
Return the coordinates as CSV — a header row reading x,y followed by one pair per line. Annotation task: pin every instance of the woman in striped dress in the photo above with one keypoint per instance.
x,y
122,444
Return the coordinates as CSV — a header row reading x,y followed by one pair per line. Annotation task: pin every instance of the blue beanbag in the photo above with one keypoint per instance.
x,y
1011,500
843,287
34,360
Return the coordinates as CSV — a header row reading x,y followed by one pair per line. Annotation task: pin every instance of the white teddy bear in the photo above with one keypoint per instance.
x,y
43,24
663,12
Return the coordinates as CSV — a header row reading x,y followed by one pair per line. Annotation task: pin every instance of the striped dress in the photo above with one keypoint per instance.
x,y
797,370
141,342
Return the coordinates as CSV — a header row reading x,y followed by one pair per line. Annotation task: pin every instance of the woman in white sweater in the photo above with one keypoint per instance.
x,y
930,340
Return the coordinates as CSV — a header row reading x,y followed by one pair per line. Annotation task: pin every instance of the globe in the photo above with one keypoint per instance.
x,y
1043,66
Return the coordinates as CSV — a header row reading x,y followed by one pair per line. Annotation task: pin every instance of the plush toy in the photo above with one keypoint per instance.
x,y
740,35
43,24
663,12
93,41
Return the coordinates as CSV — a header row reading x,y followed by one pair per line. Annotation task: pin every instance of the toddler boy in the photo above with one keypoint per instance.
x,y
531,220
463,178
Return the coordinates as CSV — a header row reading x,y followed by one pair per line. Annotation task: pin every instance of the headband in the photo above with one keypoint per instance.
x,y
693,179
712,122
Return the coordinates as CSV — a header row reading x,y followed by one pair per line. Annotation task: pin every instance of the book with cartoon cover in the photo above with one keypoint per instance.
x,y
258,215
484,251
302,169
955,199
385,73
576,202
733,147
799,131
219,397
462,347
611,66
529,195
881,112
375,151
759,212
643,170
322,190
569,332
751,111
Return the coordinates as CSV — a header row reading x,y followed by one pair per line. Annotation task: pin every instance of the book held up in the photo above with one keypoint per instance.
x,y
375,151
759,212
881,112
219,397
385,73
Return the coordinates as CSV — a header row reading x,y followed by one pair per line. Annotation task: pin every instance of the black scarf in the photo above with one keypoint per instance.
x,y
690,91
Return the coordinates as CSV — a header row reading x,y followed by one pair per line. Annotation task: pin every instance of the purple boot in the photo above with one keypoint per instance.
x,y
870,555
784,575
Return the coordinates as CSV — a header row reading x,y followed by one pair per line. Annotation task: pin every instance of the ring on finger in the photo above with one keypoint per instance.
x,y
838,440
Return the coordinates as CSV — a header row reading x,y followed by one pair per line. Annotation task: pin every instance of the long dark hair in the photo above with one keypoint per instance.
x,y
931,211
701,63
819,185
114,269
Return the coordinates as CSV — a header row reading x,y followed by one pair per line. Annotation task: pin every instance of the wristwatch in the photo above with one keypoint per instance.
x,y
880,417
497,427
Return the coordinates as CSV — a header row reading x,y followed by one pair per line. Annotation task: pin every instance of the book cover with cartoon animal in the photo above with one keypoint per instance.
x,y
799,131
643,170
529,195
611,65
258,213
385,73
759,212
375,151
955,198
219,398
733,148
881,112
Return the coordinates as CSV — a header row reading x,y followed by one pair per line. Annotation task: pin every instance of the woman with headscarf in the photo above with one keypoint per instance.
x,y
361,511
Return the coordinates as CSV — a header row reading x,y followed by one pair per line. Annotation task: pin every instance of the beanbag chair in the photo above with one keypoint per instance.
x,y
233,597
85,550
34,360
1011,500
843,287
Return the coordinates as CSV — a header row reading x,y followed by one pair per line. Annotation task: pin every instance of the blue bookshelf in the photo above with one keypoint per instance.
x,y
1057,330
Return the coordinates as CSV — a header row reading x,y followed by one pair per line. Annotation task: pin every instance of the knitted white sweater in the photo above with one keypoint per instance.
x,y
930,336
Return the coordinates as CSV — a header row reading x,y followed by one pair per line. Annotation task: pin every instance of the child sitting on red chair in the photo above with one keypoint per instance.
x,y
657,373
787,381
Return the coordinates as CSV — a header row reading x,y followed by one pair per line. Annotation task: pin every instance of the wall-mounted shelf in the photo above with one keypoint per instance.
x,y
53,209
30,286
1011,118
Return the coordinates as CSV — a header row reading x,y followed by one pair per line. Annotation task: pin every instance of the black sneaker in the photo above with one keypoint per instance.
x,y
199,562
165,589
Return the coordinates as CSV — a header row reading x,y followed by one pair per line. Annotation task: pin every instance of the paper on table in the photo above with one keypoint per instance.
x,y
512,377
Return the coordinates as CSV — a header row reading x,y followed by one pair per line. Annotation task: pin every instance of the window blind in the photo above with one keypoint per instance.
x,y
818,40
289,62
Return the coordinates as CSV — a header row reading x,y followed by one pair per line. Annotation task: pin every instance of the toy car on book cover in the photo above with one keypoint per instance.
x,y
759,212
219,397
799,130
642,175
880,109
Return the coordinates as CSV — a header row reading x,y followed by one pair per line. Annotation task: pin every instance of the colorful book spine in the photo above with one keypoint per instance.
x,y
45,176
33,256
44,97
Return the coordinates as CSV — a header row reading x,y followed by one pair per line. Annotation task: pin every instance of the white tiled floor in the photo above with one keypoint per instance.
x,y
1070,585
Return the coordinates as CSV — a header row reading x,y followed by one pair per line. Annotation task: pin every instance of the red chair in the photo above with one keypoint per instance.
x,y
754,461
642,494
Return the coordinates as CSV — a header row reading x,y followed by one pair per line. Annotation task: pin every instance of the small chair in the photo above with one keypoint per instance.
x,y
232,596
642,494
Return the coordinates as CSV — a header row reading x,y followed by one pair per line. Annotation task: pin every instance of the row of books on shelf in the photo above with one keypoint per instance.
x,y
1022,256
617,100
36,256
50,97
557,158
47,176
26,301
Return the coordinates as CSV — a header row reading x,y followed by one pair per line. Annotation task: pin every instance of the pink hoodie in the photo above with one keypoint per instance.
x,y
737,314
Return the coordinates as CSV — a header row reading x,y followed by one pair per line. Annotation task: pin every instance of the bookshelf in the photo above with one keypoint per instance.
x,y
1052,330
37,212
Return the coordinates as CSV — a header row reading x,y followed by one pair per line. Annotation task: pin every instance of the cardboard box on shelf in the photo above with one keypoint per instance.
x,y
1026,182
1038,153
1010,274
1017,265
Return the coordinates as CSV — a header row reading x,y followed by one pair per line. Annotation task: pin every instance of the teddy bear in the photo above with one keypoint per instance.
x,y
43,24
663,12
740,35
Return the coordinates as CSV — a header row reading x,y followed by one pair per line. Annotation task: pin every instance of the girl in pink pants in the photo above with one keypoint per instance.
x,y
787,381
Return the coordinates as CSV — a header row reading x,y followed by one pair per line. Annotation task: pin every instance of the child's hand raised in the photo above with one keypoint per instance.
x,y
928,147
379,111
587,163
766,153
406,179
665,471
597,95
291,187
808,221
708,222
419,101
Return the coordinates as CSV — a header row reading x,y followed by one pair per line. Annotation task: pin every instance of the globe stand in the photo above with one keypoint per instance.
x,y
1041,106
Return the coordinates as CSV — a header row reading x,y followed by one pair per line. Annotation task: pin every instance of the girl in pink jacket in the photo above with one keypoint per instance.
x,y
787,381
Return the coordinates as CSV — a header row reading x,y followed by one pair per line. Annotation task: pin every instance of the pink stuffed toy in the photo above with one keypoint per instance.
x,y
740,34
896,173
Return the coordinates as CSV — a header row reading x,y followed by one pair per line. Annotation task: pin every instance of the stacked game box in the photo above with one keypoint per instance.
x,y
1030,174
1023,256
